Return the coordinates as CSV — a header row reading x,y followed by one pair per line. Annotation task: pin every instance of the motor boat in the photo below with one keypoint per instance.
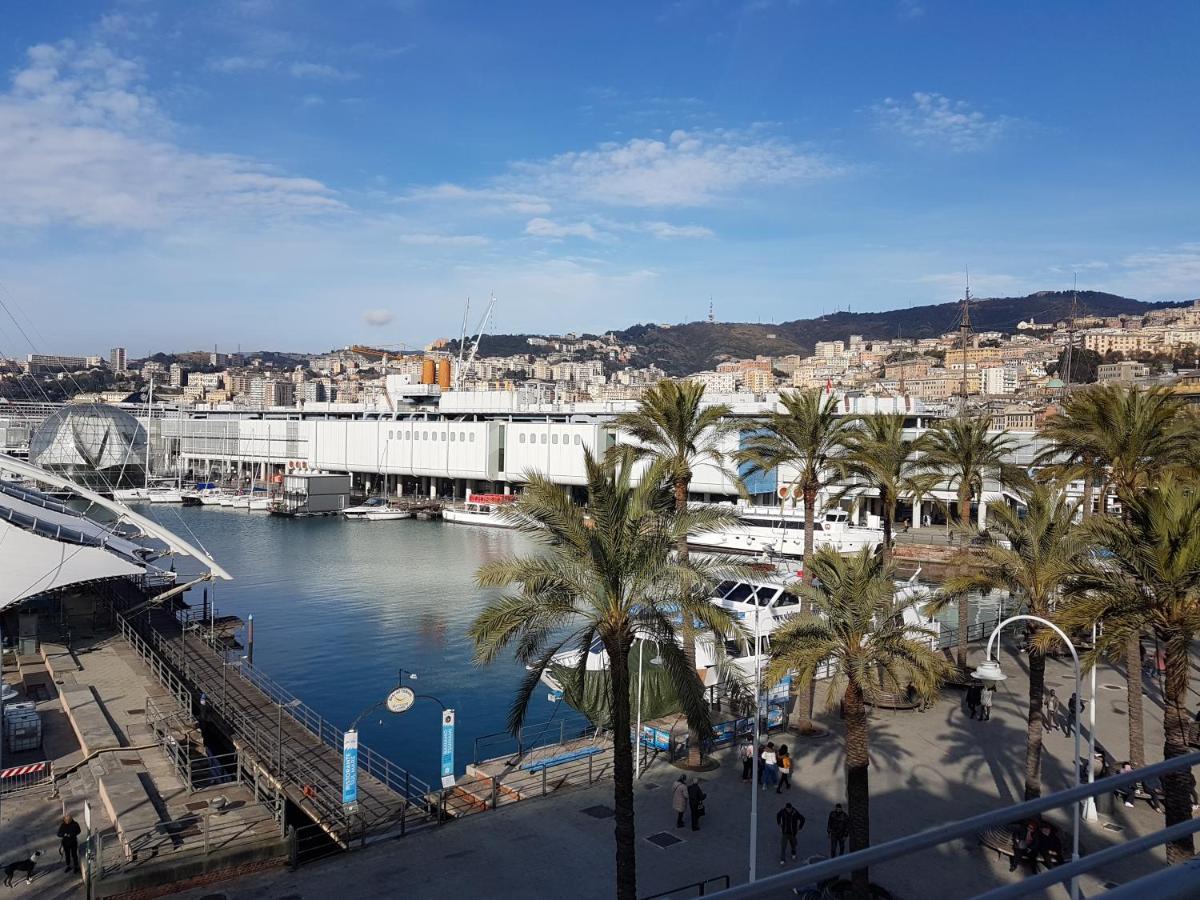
x,y
387,513
480,509
164,495
371,504
773,530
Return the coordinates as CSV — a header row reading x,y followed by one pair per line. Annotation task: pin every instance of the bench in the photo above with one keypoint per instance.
x,y
551,761
1000,840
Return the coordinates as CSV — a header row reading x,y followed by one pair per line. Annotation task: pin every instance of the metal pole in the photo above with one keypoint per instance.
x,y
1089,805
1075,811
637,739
754,763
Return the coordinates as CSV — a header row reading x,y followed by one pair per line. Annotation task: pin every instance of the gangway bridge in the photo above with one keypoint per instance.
x,y
295,748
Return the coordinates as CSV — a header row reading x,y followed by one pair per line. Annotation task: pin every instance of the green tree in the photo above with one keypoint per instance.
x,y
672,426
1136,435
606,572
857,629
1031,557
1152,580
804,439
963,452
877,452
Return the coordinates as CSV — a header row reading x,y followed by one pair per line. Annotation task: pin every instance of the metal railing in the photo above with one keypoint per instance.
x,y
974,826
532,737
475,795
695,889
29,777
154,661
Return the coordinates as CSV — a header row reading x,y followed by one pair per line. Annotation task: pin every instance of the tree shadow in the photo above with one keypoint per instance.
x,y
883,742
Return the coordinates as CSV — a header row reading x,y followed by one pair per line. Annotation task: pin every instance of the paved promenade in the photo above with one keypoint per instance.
x,y
927,768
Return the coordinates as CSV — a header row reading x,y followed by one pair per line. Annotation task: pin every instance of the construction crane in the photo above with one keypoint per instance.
x,y
464,364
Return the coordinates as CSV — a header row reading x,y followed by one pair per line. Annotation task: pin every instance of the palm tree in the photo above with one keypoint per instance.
x,y
1136,434
858,629
963,452
672,427
606,571
878,453
1074,450
1032,561
1152,580
805,438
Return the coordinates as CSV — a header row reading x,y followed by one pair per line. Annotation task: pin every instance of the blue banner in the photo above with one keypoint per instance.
x,y
350,768
447,748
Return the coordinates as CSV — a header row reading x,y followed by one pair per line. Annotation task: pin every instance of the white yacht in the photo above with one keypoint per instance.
x,y
773,530
375,509
127,494
480,509
164,495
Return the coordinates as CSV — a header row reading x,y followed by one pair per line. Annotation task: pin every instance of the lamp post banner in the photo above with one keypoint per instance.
x,y
447,748
350,768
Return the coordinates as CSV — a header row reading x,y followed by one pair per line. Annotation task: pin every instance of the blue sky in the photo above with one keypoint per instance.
x,y
304,174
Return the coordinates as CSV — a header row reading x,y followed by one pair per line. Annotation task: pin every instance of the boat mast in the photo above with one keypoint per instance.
x,y
964,333
1067,358
149,417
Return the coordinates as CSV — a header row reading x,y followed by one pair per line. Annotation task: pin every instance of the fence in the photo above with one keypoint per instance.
x,y
25,778
695,889
531,737
155,661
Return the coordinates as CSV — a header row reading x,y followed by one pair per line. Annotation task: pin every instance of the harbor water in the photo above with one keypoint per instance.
x,y
341,606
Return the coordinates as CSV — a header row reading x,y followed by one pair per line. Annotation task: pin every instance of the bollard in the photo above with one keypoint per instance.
x,y
293,849
495,792
545,769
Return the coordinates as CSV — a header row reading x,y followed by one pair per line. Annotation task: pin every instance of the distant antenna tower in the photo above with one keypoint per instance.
x,y
1067,358
964,334
710,311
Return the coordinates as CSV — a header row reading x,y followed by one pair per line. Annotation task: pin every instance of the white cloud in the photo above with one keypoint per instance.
x,y
1160,273
84,143
230,65
486,200
667,231
320,71
443,240
933,120
689,169
548,229
378,317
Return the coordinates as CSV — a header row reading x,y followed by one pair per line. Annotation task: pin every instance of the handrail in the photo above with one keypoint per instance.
x,y
933,837
702,885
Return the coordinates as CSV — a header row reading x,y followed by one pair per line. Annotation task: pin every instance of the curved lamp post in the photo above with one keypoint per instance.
x,y
655,660
989,670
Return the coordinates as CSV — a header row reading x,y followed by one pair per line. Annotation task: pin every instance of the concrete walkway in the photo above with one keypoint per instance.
x,y
927,768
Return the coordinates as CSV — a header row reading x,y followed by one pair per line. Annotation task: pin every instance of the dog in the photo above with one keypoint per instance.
x,y
23,866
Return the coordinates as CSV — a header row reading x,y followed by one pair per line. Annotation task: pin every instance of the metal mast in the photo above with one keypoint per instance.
x,y
1067,359
964,333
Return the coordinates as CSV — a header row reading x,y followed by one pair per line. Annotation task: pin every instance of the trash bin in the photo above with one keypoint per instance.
x,y
1106,803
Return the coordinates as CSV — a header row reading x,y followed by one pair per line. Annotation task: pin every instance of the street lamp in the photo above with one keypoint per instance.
x,y
765,558
654,661
989,670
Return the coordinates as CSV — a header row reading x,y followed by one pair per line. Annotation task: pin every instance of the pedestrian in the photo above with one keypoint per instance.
x,y
974,694
785,769
762,766
746,753
985,702
1074,710
679,800
68,835
1127,793
1051,710
1047,846
837,829
696,803
771,765
1024,837
790,822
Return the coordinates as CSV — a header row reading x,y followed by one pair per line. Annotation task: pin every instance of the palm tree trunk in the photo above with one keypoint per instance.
x,y
1133,699
618,657
1177,786
858,794
1033,729
964,603
1089,487
695,740
885,553
806,695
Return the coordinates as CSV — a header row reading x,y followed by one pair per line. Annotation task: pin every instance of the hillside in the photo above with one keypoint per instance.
x,y
694,346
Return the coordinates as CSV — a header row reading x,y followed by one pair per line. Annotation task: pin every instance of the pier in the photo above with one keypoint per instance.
x,y
295,749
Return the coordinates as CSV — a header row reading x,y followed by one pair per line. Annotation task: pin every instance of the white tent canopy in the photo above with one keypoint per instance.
x,y
31,564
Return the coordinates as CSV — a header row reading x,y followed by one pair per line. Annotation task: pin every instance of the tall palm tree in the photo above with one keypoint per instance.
x,y
803,440
859,629
1136,435
1152,580
1032,561
878,453
963,452
1074,450
607,571
672,426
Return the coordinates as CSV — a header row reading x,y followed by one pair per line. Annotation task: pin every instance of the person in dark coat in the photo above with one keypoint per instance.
x,y
696,803
974,696
837,829
1047,846
790,822
68,834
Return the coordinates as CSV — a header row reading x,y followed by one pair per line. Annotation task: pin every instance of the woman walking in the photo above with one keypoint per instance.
x,y
785,769
985,702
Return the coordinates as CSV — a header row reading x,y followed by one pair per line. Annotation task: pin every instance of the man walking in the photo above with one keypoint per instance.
x,y
790,822
837,829
696,803
679,800
68,835
770,761
1074,708
1051,709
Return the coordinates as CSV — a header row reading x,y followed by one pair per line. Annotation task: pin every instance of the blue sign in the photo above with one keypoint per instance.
x,y
350,768
447,748
655,738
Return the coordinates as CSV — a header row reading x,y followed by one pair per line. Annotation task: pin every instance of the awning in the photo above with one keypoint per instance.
x,y
32,564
